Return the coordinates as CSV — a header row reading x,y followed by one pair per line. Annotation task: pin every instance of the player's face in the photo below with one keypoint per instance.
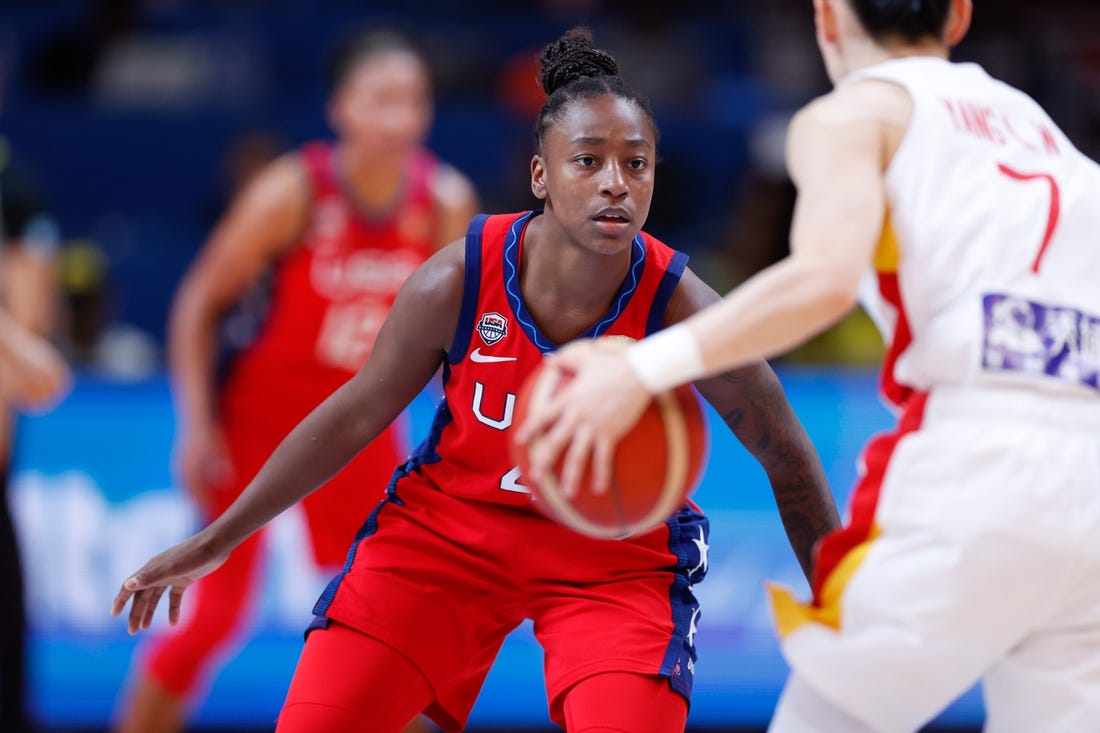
x,y
596,171
384,105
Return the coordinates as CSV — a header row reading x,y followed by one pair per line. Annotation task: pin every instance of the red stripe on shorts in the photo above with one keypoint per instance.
x,y
876,457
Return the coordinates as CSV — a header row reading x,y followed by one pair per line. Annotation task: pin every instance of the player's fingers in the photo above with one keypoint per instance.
x,y
137,611
144,578
603,455
542,410
545,452
175,599
576,460
151,607
121,599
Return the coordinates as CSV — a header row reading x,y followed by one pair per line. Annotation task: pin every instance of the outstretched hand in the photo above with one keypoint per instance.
x,y
587,417
173,570
33,373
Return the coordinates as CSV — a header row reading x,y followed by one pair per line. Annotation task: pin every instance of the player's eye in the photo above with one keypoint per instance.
x,y
586,161
638,164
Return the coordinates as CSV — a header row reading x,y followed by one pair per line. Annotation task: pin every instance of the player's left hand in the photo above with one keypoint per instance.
x,y
587,417
173,570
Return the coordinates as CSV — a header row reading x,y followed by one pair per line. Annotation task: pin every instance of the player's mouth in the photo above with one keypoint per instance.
x,y
612,220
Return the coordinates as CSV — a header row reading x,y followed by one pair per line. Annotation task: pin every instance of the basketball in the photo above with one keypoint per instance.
x,y
655,467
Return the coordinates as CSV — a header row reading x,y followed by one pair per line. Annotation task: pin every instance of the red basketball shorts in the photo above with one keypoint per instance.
x,y
443,580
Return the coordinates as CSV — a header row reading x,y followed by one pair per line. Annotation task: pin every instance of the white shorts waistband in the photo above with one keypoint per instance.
x,y
1060,410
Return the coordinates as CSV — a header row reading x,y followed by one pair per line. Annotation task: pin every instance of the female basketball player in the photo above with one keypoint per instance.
x,y
342,226
972,549
455,557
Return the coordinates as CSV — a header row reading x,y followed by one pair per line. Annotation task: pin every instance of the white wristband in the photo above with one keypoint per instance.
x,y
667,359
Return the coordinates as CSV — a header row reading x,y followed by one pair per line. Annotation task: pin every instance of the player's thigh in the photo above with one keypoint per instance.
x,y
624,702
914,615
802,709
347,681
918,622
1050,682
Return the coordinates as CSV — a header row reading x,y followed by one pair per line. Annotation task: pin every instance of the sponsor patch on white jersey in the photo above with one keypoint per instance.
x,y
1033,338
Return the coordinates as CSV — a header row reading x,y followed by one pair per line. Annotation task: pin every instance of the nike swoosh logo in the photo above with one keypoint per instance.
x,y
480,358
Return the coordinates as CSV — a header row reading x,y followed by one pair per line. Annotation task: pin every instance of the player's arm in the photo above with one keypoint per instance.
x,y
32,371
456,203
411,345
752,403
262,223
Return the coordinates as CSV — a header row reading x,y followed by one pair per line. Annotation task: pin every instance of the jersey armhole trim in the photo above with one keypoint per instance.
x,y
665,289
471,290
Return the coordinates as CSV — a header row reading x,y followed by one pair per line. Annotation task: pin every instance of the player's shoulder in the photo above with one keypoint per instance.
x,y
444,271
451,188
282,181
692,295
860,102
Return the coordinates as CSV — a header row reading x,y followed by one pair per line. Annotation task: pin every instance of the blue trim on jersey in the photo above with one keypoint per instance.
x,y
665,289
519,308
686,529
426,452
369,527
471,289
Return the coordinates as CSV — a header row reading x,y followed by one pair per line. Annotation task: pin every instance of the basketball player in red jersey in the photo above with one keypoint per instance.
x,y
342,225
455,556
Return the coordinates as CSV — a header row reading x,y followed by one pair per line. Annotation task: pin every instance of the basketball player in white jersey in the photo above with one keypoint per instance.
x,y
969,225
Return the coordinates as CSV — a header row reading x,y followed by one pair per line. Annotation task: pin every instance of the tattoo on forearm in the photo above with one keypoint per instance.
x,y
734,419
753,406
732,377
807,510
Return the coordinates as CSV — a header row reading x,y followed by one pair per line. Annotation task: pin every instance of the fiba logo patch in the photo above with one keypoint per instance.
x,y
492,327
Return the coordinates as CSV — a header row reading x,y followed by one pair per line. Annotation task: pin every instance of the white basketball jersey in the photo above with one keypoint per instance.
x,y
988,271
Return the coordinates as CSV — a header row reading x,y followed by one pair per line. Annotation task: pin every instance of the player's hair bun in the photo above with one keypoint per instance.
x,y
573,57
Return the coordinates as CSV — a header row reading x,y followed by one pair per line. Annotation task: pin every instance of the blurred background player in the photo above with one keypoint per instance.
x,y
32,374
966,220
455,557
340,226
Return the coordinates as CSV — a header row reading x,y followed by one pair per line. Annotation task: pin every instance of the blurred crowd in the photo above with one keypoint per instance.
x,y
140,119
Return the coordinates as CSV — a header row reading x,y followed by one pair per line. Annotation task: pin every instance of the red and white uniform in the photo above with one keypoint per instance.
x,y
456,557
971,548
330,295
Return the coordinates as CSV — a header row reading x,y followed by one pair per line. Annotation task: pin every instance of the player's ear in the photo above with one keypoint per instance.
x,y
958,20
825,21
538,177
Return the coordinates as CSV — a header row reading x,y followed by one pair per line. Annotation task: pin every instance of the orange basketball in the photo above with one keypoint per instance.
x,y
655,468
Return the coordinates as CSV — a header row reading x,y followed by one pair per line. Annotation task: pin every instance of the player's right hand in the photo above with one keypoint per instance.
x,y
173,570
35,374
203,463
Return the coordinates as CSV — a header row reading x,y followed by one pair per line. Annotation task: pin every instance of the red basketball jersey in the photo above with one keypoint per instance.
x,y
497,345
333,290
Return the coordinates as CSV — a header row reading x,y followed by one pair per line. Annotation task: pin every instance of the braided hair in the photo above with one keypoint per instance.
x,y
907,20
571,68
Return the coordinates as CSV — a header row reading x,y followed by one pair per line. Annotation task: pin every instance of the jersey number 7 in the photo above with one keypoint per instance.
x,y
1055,207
